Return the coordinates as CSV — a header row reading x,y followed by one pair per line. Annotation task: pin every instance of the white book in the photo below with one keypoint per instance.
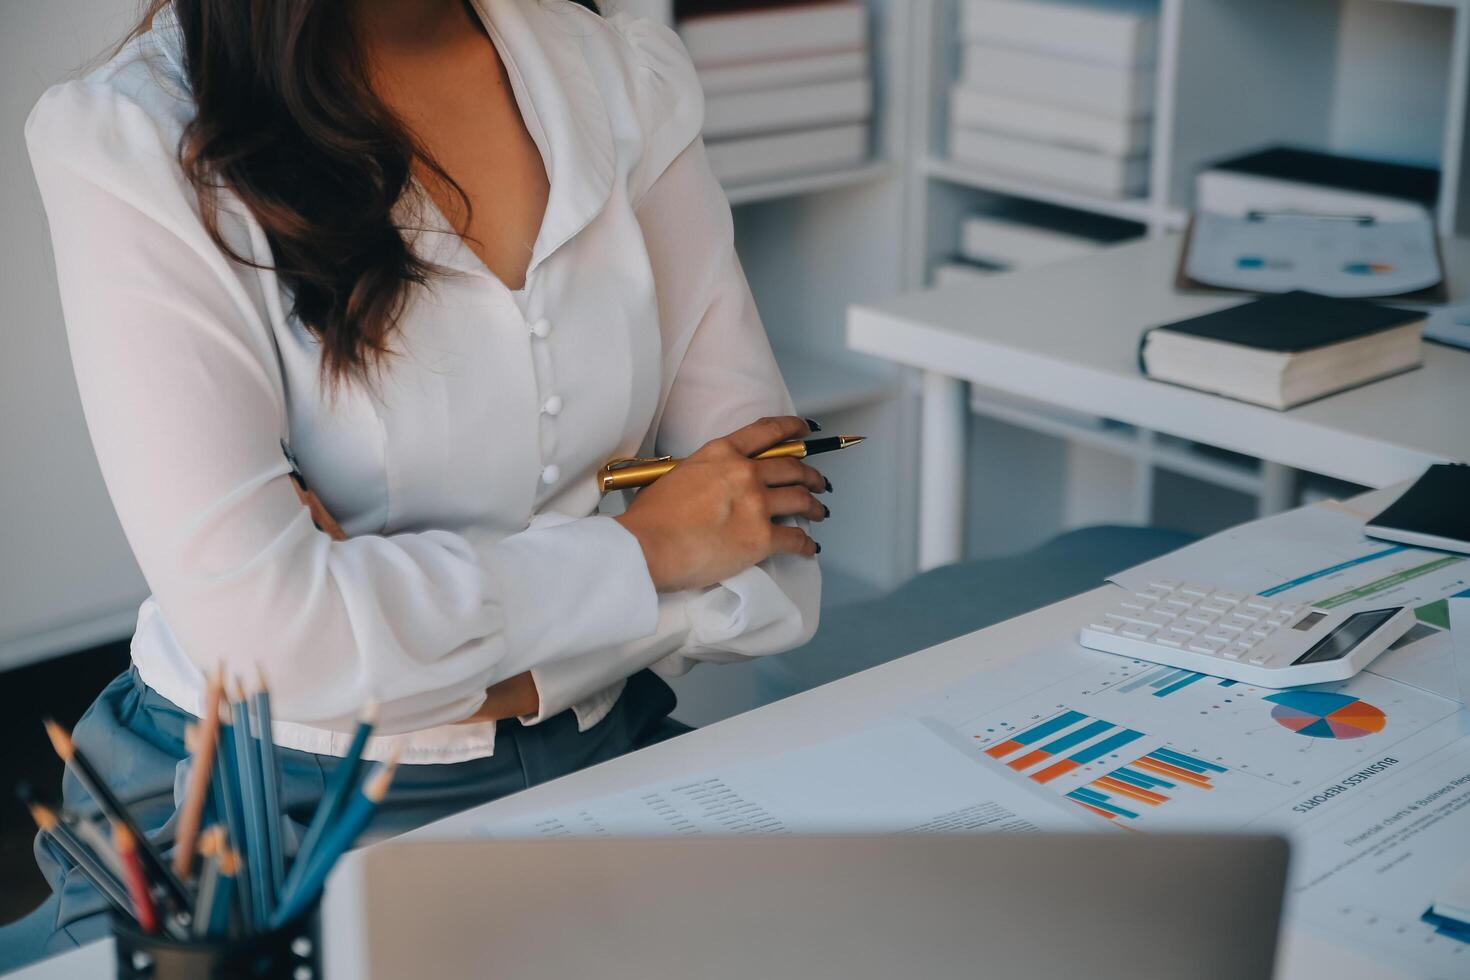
x,y
1093,173
1050,80
753,158
962,273
978,109
1114,32
756,76
1017,245
819,104
783,32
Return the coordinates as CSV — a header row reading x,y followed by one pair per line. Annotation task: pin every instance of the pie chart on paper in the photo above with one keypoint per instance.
x,y
1318,714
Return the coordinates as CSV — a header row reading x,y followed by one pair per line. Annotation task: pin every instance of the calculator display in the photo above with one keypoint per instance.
x,y
1340,642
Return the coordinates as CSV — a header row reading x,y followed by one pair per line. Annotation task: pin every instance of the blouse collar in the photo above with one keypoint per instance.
x,y
563,107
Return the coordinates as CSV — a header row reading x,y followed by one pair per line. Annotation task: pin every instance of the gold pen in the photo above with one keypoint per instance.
x,y
625,474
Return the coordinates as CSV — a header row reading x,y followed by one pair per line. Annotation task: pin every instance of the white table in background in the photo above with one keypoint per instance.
x,y
835,709
1066,335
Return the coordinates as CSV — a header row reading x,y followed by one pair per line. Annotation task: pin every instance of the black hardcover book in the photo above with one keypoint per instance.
x,y
1293,322
1283,350
1433,513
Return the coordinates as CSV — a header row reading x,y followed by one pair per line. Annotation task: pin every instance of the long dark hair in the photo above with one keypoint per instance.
x,y
289,122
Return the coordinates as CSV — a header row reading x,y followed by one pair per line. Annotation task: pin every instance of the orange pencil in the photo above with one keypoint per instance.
x,y
191,814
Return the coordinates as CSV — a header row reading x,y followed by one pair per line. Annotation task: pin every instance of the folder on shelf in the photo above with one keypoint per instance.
x,y
1285,218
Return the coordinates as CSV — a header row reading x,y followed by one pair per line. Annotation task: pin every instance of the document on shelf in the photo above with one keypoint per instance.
x,y
897,777
1359,258
1368,778
1320,556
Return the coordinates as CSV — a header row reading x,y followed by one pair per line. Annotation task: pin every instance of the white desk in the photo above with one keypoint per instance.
x,y
834,709
1067,335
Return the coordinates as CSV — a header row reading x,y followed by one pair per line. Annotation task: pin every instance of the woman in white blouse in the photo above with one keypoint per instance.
x,y
454,255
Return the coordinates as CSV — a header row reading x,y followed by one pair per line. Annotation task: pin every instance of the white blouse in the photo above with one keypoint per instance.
x,y
465,476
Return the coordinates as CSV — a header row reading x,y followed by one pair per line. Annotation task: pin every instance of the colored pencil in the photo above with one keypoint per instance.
x,y
152,862
337,792
271,777
211,846
230,780
191,814
139,893
98,840
229,867
354,819
252,792
105,881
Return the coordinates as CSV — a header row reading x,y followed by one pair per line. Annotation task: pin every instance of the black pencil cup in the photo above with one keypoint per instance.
x,y
292,952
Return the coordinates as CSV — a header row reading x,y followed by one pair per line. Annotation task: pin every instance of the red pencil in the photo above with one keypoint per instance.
x,y
137,882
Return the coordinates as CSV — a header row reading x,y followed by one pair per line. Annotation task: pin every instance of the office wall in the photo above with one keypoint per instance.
x,y
67,578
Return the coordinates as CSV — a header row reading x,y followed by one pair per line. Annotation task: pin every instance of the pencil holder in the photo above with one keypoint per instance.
x,y
292,952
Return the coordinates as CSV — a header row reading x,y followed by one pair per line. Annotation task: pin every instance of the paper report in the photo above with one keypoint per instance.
x,y
899,777
1369,778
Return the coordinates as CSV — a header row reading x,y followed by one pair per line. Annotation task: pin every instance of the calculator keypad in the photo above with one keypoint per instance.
x,y
1185,616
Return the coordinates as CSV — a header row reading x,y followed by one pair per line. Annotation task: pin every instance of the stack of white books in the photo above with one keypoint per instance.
x,y
1023,235
1060,91
788,89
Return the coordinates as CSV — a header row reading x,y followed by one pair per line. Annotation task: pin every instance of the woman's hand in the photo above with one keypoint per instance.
x,y
511,698
712,515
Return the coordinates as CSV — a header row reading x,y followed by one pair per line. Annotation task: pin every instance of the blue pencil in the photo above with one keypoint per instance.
x,y
229,777
209,848
251,796
354,819
271,778
102,877
335,797
227,880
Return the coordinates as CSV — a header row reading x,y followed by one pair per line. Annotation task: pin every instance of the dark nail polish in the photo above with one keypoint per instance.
x,y
817,545
826,511
829,484
812,424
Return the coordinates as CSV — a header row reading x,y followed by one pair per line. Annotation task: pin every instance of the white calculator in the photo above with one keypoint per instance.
x,y
1249,638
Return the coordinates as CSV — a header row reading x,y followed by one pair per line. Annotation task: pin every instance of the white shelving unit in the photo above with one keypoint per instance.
x,y
1383,78
1380,78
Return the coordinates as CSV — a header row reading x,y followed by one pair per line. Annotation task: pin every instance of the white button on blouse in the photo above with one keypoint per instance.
x,y
192,371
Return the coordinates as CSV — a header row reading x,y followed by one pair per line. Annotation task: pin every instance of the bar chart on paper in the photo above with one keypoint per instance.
x,y
1115,771
1151,747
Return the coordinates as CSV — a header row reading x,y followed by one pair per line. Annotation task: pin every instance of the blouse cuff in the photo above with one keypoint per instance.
x,y
590,684
568,586
748,613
